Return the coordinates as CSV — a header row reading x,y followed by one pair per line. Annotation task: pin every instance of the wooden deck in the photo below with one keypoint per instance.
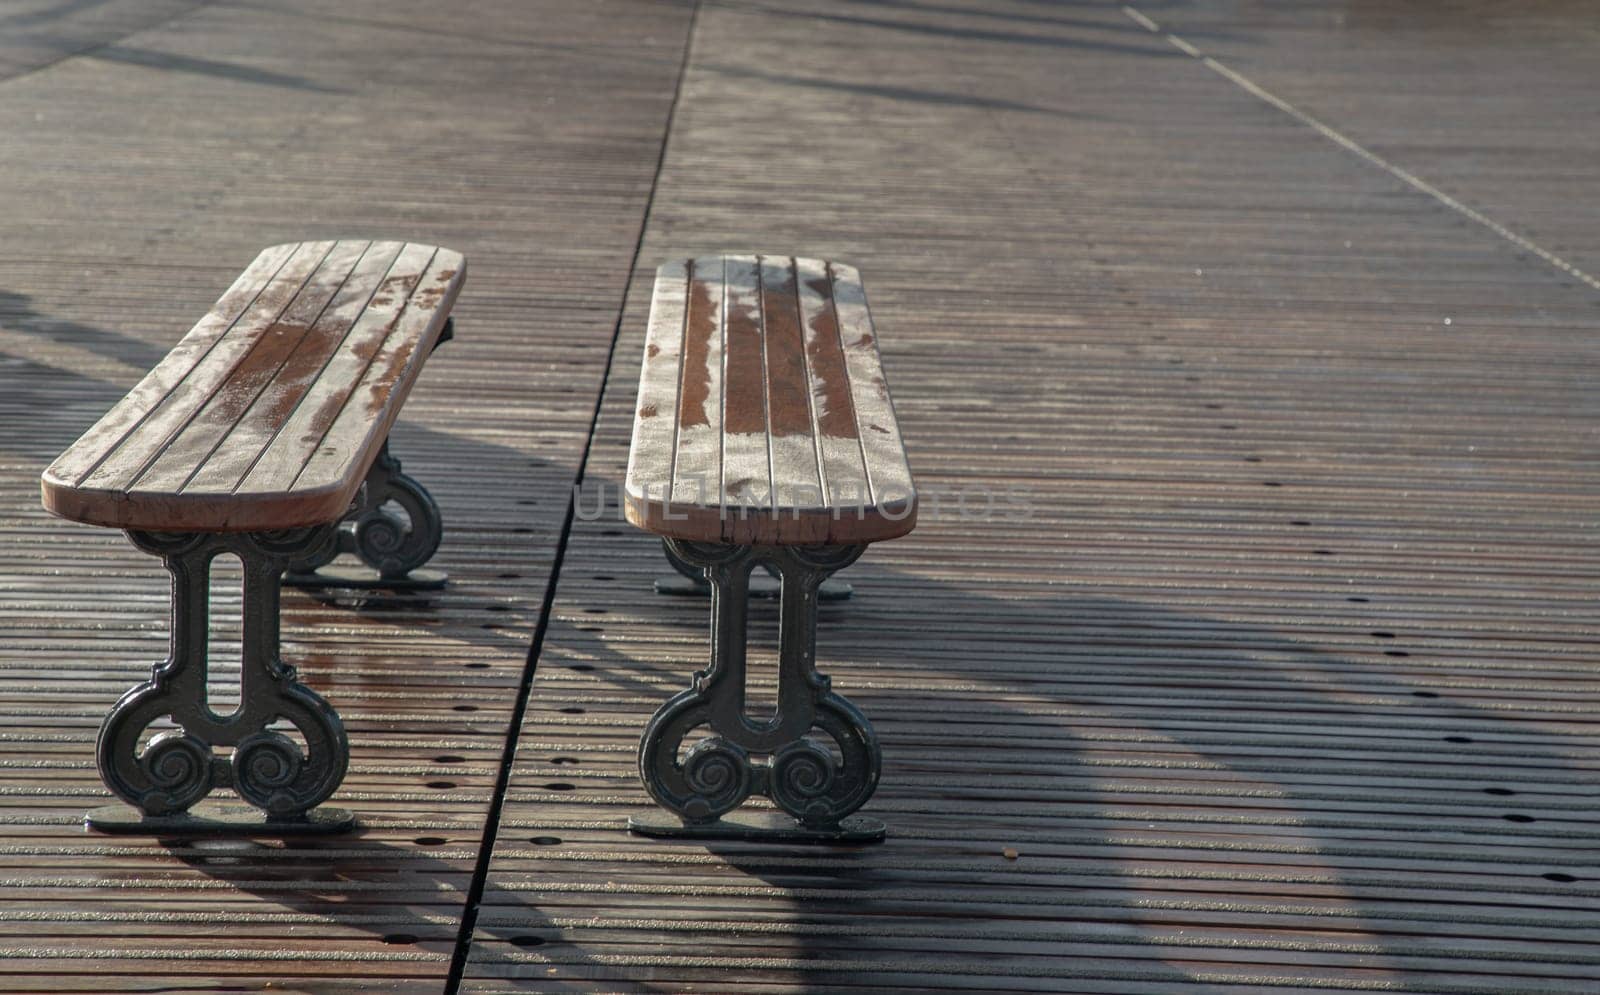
x,y
1271,666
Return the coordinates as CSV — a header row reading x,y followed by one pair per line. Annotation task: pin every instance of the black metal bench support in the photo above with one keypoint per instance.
x,y
391,548
163,783
816,783
691,580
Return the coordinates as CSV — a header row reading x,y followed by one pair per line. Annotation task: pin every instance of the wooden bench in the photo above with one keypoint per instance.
x,y
764,436
262,434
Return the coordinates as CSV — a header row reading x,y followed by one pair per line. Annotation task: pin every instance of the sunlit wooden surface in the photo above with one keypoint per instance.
x,y
1246,641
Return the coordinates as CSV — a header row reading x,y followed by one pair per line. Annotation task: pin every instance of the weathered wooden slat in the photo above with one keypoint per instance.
x,y
656,414
784,460
746,479
888,475
162,404
248,409
201,463
278,459
843,470
355,433
791,447
698,456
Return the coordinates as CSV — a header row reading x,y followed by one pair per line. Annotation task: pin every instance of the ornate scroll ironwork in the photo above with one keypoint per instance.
x,y
817,783
390,544
179,767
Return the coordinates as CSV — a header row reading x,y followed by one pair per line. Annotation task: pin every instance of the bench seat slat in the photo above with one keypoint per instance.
x,y
697,464
833,413
763,414
348,443
281,463
132,432
286,387
791,446
746,464
228,406
889,483
655,416
308,329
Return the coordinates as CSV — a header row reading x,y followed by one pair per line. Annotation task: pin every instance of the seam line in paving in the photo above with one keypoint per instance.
x,y
491,824
1351,145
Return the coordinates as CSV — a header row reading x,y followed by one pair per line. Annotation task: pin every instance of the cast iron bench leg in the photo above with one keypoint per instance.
x,y
801,775
179,767
691,580
391,547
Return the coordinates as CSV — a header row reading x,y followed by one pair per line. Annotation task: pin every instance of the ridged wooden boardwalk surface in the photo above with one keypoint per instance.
x,y
1247,640
139,180
1288,679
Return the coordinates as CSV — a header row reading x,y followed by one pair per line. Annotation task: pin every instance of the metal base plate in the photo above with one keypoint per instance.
x,y
757,827
761,586
217,819
360,577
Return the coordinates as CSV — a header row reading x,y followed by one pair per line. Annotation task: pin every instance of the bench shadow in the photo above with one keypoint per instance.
x,y
1152,49
54,405
483,606
18,313
57,404
1249,730
408,898
1278,722
906,93
1045,20
195,65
